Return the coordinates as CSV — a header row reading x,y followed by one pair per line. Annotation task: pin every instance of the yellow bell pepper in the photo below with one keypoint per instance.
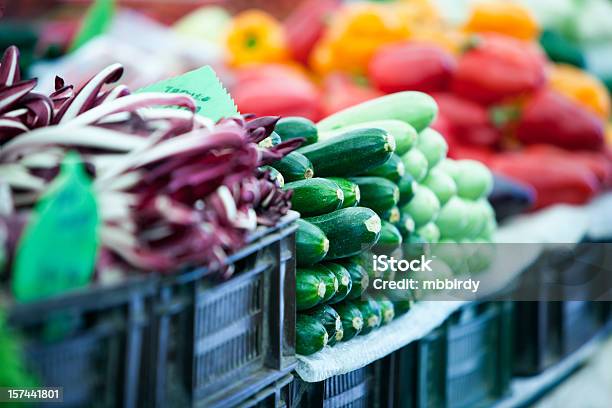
x,y
581,87
504,17
354,35
255,37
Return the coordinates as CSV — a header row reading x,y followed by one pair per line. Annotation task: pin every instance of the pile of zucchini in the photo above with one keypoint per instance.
x,y
367,176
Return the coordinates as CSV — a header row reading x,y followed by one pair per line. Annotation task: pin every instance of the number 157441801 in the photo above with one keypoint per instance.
x,y
55,394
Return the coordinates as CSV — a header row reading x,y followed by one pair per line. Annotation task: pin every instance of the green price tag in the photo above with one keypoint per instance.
x,y
59,245
96,21
211,98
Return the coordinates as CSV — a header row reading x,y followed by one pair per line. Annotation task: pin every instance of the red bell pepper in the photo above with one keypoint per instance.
x,y
470,121
497,68
411,66
341,91
278,92
598,162
305,26
556,179
549,117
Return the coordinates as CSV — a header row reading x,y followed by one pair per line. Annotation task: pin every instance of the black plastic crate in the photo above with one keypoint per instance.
x,y
361,388
464,363
479,354
213,342
565,318
418,372
279,394
89,342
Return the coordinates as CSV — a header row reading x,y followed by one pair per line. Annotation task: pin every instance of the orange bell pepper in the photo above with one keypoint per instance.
x,y
255,37
354,35
582,88
503,17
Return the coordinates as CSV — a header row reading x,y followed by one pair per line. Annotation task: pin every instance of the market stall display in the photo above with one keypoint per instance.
x,y
205,217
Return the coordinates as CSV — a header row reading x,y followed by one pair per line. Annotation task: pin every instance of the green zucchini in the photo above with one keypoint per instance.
x,y
351,317
275,175
328,278
405,136
315,196
393,169
416,164
349,230
294,167
311,244
415,108
392,215
389,235
309,289
352,195
311,335
405,225
330,319
350,153
433,145
402,306
293,127
377,193
405,186
386,308
359,278
344,281
371,313
270,141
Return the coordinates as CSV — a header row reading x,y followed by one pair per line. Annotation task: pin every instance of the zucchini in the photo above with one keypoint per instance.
x,y
309,289
292,127
330,319
352,319
405,186
386,308
352,195
315,196
433,145
392,215
350,153
344,281
377,193
416,164
405,136
424,206
294,167
389,235
349,230
270,141
311,244
393,169
311,335
328,278
415,108
359,278
402,306
371,313
275,175
405,225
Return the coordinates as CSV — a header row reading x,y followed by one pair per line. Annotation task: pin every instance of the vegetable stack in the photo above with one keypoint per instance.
x,y
372,176
173,188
